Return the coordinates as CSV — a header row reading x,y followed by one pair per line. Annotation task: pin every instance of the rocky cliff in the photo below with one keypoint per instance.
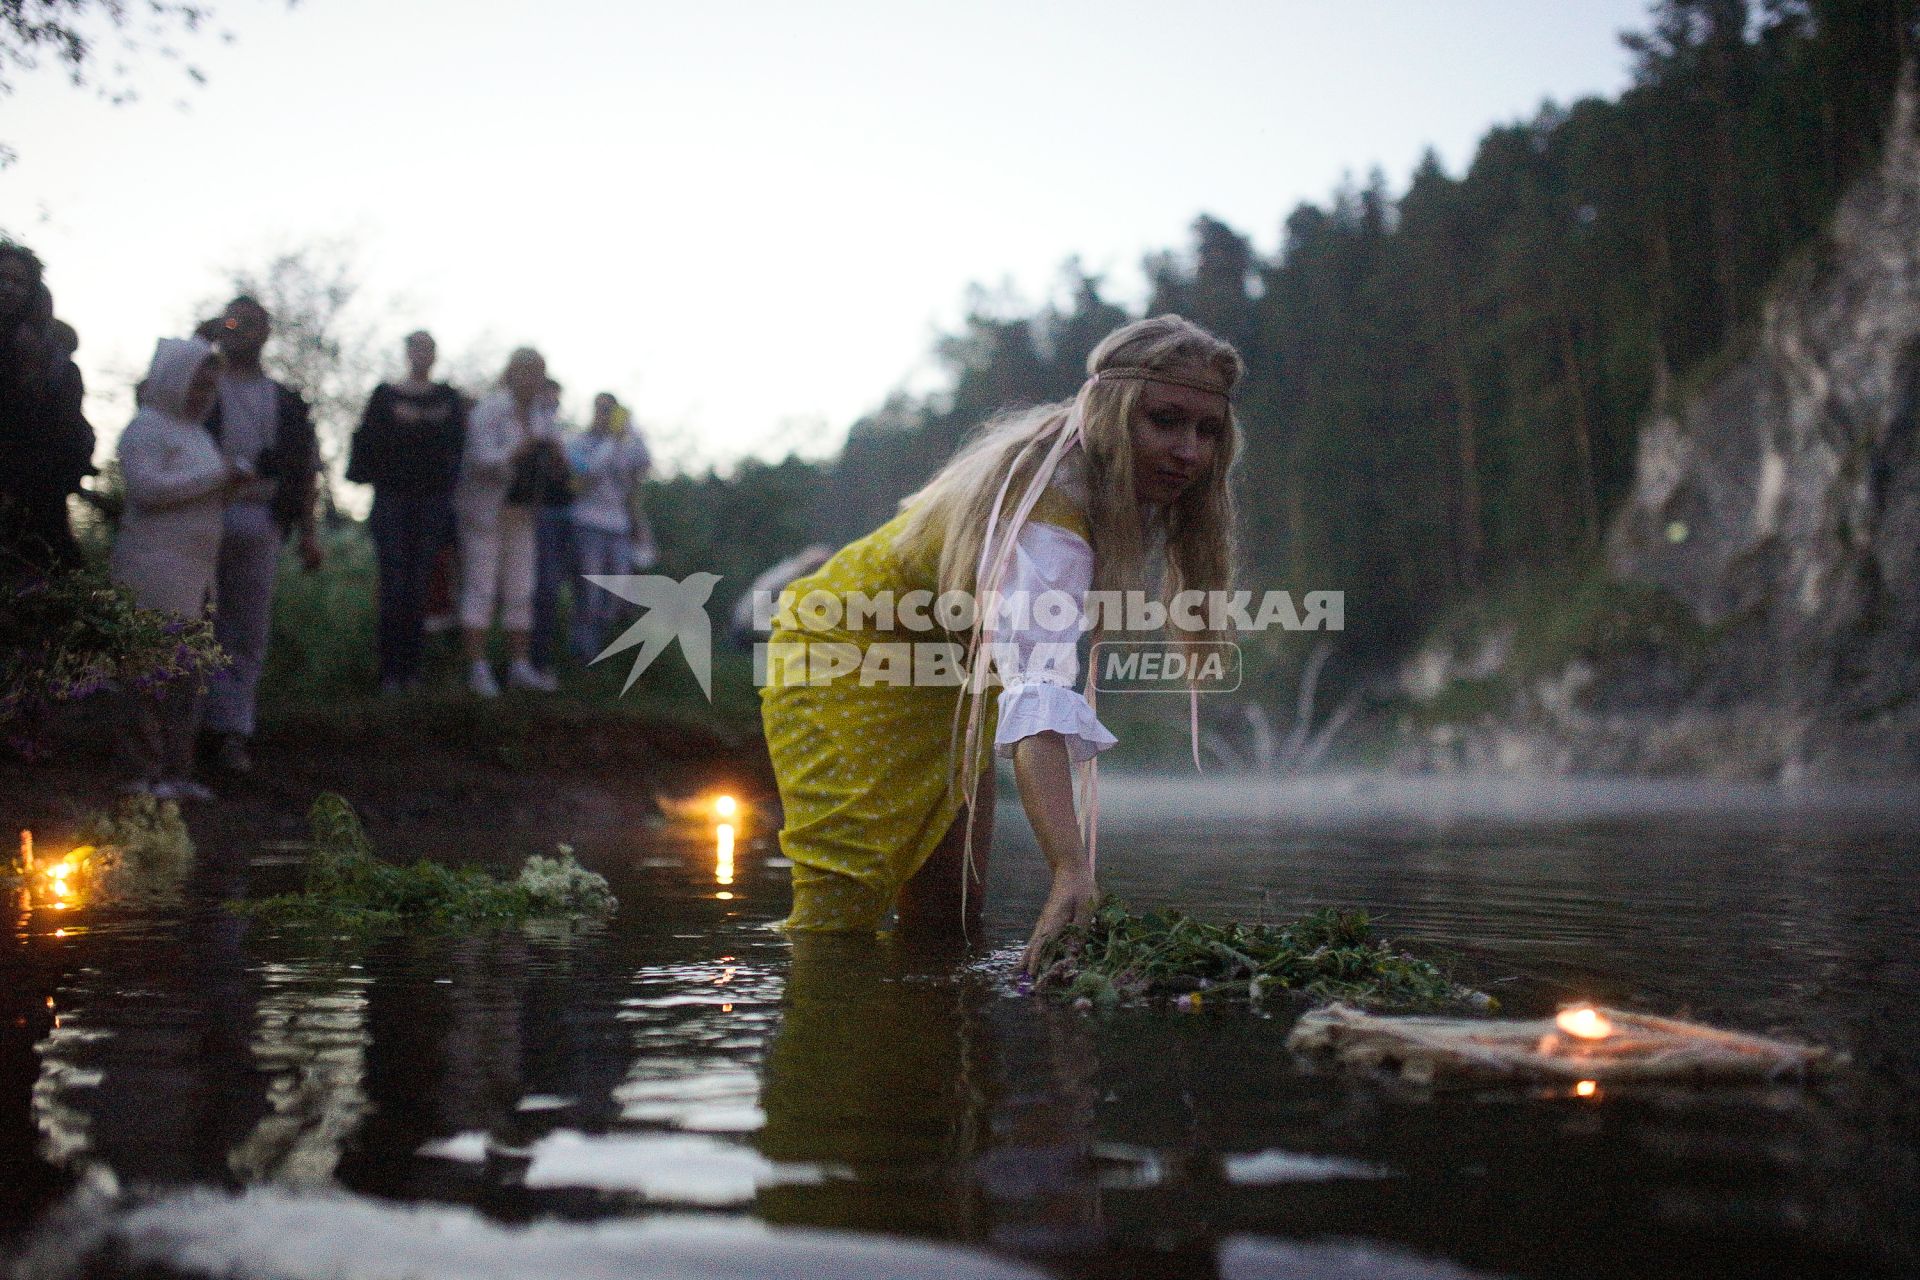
x,y
1774,523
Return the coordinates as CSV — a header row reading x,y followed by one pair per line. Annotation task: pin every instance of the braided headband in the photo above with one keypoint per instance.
x,y
1142,374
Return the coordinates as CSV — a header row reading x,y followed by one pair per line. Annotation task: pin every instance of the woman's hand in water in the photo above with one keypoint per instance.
x,y
1040,767
1070,902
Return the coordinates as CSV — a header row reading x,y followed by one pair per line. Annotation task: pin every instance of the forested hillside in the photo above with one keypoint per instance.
x,y
1445,383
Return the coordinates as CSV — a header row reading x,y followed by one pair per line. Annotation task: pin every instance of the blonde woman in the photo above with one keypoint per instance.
x,y
1071,498
496,520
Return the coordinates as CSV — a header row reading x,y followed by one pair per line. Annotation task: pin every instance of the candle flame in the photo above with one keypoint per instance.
x,y
1587,1088
726,806
1585,1023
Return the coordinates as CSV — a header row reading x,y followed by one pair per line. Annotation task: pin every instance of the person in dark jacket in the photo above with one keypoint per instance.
x,y
408,448
46,443
263,425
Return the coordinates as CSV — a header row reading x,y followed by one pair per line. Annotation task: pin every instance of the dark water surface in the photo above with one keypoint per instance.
x,y
657,1093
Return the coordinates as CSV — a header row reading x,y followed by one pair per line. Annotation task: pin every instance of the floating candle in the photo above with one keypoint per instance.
x,y
1585,1023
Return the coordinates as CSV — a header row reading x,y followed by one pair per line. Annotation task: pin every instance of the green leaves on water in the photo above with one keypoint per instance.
x,y
348,887
1329,954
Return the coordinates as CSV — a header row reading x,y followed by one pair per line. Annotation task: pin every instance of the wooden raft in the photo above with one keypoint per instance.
x,y
1641,1047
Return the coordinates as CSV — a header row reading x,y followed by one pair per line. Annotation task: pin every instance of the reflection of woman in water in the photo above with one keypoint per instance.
x,y
1066,497
955,1117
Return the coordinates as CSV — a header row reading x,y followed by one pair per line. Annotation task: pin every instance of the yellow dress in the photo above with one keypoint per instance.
x,y
866,771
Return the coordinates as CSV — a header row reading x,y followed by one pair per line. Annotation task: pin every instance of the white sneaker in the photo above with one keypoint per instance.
x,y
480,680
522,675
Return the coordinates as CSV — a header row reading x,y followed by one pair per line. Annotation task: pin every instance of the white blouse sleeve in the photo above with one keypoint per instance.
x,y
1039,661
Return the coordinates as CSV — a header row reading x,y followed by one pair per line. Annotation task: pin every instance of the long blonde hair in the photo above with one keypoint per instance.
x,y
953,510
964,511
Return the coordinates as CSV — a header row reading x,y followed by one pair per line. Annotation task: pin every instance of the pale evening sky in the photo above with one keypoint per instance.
x,y
749,220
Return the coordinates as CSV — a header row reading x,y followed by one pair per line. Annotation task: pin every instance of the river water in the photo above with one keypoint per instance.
x,y
683,1092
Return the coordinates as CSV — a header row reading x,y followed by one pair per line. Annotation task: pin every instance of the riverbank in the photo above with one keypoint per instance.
x,y
524,761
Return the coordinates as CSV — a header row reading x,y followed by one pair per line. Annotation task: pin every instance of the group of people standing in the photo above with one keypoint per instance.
x,y
221,467
527,505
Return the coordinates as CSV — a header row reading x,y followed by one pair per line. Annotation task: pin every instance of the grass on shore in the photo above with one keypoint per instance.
x,y
322,662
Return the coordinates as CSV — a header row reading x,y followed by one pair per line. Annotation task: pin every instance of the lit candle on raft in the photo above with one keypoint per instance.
x,y
1586,1088
725,807
1584,1023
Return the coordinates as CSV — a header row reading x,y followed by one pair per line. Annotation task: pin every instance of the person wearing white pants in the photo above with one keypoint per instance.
x,y
496,533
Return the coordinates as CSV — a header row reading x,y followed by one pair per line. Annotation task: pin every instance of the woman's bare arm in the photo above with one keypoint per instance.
x,y
1043,772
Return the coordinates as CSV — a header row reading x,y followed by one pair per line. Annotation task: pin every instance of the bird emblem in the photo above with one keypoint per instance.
x,y
675,610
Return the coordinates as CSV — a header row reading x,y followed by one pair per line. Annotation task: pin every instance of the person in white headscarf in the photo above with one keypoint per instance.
x,y
168,546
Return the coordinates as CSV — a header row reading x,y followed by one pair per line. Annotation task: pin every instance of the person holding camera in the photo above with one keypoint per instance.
x,y
46,443
512,462
265,431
